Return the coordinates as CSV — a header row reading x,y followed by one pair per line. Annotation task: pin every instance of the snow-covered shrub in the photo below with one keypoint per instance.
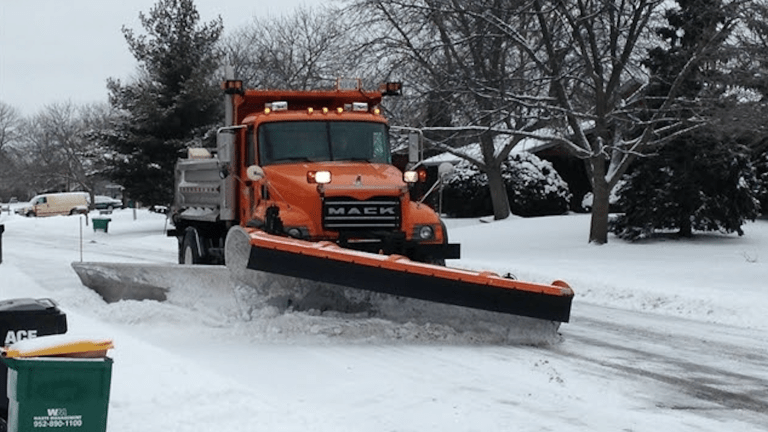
x,y
533,186
466,193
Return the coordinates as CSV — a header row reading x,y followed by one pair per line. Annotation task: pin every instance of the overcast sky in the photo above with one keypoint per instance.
x,y
64,50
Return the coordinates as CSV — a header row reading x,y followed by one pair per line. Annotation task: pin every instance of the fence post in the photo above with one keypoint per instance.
x,y
2,228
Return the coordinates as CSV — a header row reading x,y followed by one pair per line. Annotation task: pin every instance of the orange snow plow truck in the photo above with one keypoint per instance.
x,y
306,180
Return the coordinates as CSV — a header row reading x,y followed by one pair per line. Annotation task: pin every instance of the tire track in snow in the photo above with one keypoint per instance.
x,y
722,370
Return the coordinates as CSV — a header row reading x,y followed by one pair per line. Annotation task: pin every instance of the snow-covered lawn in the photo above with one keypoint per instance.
x,y
712,277
205,367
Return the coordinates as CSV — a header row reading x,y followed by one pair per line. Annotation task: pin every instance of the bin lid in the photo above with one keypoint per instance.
x,y
27,305
58,345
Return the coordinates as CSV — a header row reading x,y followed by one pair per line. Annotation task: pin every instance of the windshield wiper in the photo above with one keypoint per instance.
x,y
355,159
293,159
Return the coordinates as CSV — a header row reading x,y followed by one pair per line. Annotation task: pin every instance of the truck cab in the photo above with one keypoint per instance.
x,y
313,165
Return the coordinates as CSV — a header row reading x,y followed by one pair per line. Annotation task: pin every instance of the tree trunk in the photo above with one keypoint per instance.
x,y
686,230
688,198
492,168
598,230
499,197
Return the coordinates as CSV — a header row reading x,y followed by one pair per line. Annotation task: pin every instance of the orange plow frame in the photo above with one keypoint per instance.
x,y
397,275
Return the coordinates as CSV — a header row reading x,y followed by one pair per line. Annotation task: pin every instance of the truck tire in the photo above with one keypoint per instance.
x,y
439,261
436,261
189,251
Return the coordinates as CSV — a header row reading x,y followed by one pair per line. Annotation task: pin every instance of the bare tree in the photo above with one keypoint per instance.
x,y
526,68
40,159
57,150
306,49
10,123
590,54
476,82
63,128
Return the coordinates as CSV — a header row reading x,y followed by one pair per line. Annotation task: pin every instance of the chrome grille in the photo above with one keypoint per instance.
x,y
349,213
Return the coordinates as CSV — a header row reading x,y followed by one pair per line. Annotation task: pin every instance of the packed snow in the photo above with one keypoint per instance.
x,y
204,364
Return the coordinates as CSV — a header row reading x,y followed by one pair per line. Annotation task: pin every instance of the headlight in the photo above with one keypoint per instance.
x,y
410,176
425,232
419,175
320,177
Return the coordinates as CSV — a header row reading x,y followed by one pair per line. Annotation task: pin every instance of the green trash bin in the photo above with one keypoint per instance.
x,y
58,393
101,224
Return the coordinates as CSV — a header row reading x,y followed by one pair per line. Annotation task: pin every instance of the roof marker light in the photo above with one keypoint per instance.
x,y
277,106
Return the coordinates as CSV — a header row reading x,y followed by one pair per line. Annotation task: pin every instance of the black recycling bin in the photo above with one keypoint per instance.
x,y
25,318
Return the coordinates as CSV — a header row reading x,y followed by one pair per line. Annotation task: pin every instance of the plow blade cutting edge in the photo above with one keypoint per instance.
x,y
326,262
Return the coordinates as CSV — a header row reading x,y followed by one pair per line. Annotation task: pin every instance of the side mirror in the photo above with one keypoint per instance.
x,y
413,147
254,172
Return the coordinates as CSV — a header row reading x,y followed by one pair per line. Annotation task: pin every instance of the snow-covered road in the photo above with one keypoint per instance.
x,y
615,370
680,364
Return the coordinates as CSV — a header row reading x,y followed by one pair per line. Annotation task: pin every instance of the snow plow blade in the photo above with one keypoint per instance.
x,y
327,262
204,286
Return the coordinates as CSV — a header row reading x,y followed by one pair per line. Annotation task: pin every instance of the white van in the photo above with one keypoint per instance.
x,y
66,203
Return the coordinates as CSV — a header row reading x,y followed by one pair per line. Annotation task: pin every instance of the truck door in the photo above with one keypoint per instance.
x,y
250,195
253,159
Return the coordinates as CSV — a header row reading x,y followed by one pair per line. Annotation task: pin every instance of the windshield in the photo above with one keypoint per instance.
x,y
318,141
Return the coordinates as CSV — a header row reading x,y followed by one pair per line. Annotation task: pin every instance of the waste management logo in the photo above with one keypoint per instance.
x,y
57,417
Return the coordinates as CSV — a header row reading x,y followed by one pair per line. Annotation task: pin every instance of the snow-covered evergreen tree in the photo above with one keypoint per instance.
x,y
700,182
173,103
761,165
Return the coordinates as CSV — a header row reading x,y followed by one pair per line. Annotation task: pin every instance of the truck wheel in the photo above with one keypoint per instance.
x,y
435,261
438,261
190,253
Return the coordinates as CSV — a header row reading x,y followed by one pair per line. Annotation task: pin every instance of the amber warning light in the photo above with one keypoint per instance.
x,y
391,89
